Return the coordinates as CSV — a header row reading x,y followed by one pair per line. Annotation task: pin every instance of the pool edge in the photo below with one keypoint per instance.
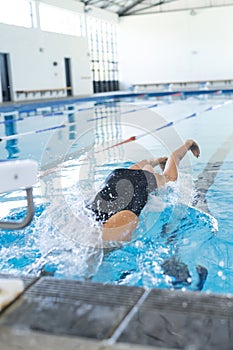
x,y
94,311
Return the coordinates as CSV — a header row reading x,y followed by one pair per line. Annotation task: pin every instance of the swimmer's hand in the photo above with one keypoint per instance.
x,y
193,147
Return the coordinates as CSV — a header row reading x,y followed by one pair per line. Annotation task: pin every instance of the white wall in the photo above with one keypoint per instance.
x,y
176,46
32,53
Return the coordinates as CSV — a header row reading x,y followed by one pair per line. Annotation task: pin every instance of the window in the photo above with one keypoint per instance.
x,y
18,12
102,38
59,20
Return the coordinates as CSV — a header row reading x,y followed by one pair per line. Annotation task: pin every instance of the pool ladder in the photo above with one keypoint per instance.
x,y
15,175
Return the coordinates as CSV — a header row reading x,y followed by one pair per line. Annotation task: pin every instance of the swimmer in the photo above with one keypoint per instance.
x,y
125,193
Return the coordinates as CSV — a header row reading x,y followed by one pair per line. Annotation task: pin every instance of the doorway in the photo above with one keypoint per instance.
x,y
68,76
5,81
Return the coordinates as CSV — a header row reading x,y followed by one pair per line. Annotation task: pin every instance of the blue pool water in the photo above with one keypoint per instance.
x,y
185,231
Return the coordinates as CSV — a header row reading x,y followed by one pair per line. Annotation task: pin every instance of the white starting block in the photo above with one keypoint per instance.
x,y
15,175
10,289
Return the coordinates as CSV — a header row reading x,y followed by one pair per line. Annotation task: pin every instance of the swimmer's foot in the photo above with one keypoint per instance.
x,y
162,162
193,147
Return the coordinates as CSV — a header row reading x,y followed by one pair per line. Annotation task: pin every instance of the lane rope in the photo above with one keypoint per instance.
x,y
131,138
60,126
134,138
171,123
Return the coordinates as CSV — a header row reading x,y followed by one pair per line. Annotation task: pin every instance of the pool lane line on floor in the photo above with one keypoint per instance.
x,y
207,177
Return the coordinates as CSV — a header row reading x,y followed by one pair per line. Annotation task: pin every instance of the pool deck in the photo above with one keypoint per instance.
x,y
58,314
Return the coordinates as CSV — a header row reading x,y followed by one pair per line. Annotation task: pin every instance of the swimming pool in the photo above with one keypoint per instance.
x,y
189,222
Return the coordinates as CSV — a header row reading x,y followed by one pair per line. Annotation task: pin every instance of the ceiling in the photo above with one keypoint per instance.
x,y
139,7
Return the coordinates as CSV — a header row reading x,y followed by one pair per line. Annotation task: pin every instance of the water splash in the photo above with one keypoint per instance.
x,y
62,239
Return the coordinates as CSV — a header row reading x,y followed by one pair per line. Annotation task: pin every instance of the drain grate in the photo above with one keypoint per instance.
x,y
174,319
187,302
94,293
72,308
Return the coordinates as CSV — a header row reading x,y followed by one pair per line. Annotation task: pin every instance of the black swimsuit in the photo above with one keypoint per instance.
x,y
124,189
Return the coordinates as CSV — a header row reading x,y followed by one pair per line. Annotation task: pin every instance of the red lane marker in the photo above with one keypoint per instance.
x,y
132,138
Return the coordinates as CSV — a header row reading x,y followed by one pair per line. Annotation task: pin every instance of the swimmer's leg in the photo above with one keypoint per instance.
x,y
120,226
170,172
171,169
152,162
